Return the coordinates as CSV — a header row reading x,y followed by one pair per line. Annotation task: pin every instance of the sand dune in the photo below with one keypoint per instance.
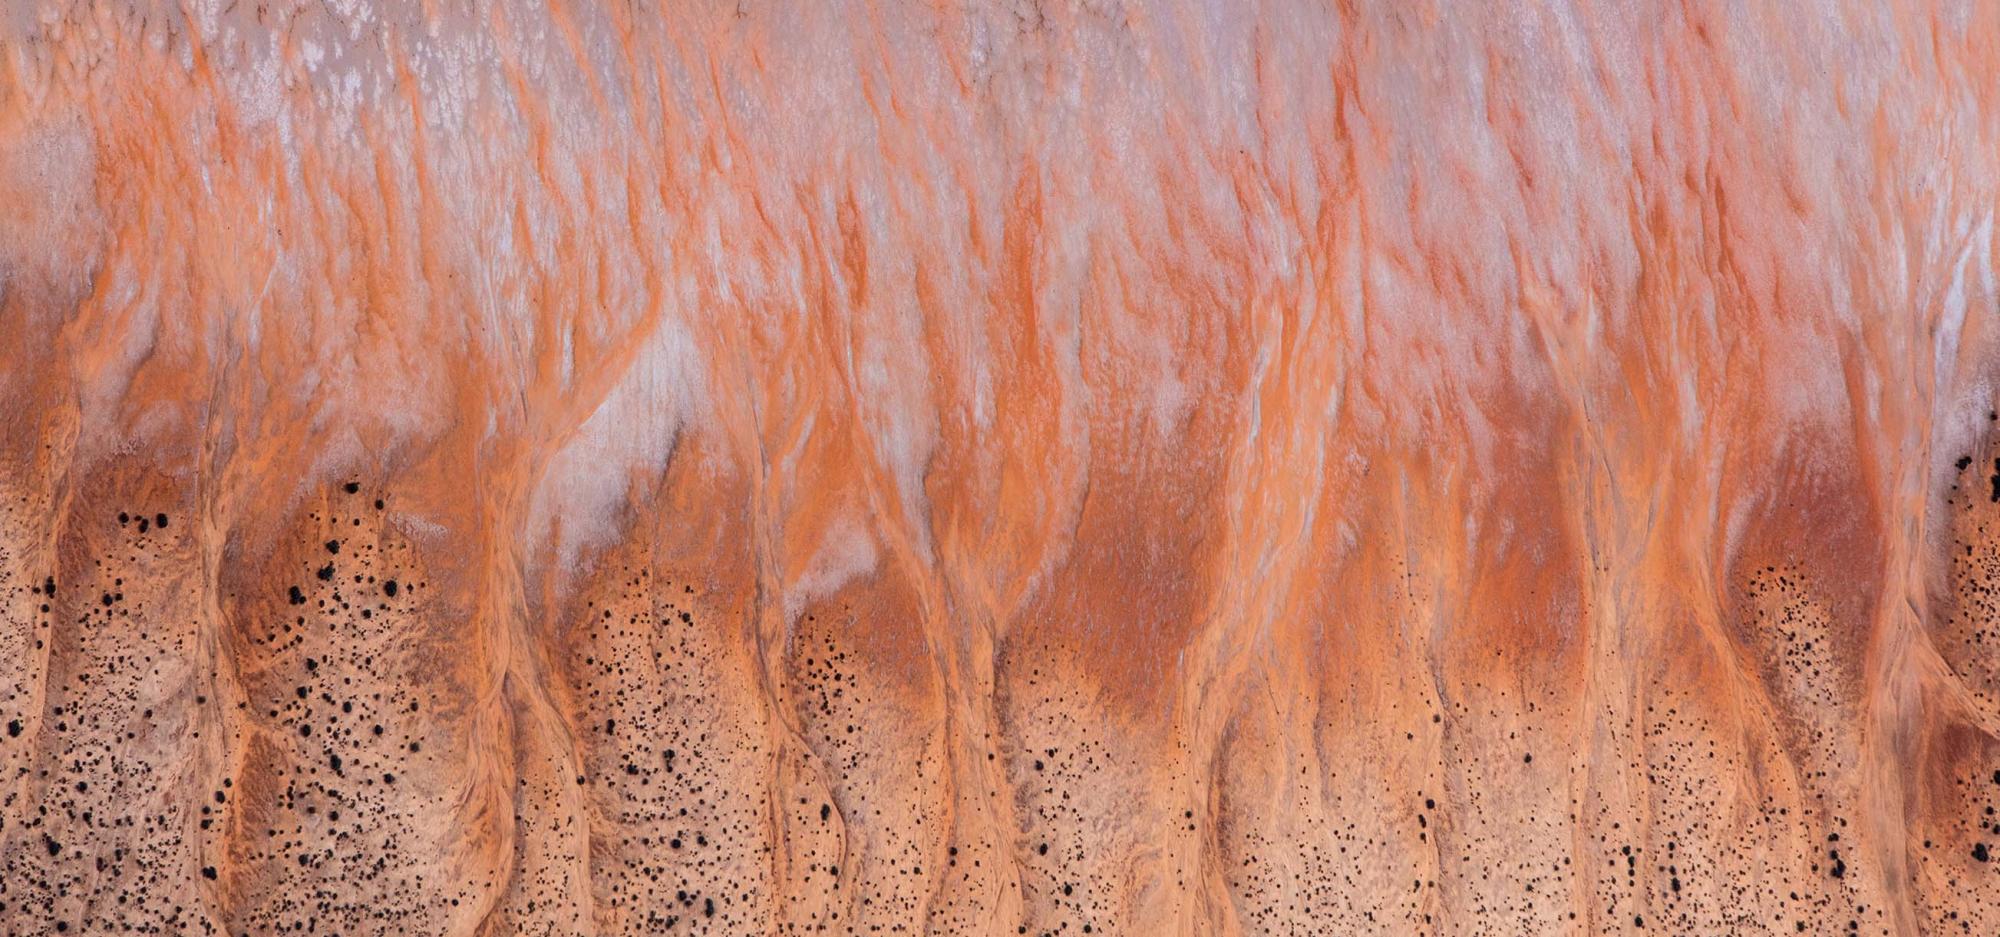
x,y
1016,467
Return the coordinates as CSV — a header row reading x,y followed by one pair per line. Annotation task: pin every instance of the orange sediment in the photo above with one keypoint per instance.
x,y
1164,468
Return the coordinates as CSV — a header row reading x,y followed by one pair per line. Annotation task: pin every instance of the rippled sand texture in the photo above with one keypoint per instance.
x,y
999,467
